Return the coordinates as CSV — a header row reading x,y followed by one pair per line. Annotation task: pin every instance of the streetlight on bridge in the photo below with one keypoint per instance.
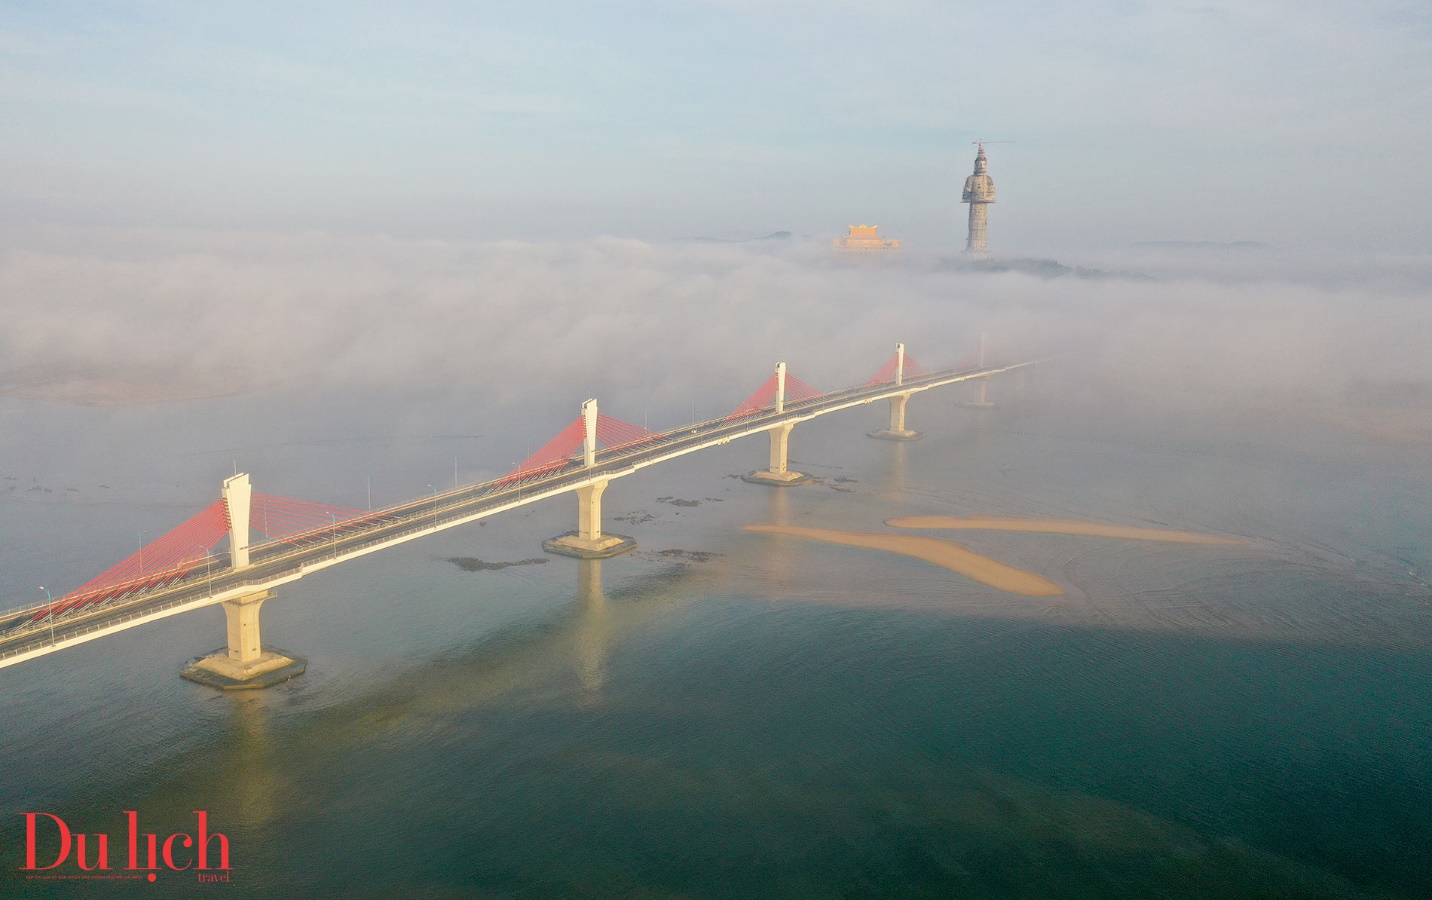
x,y
208,569
50,599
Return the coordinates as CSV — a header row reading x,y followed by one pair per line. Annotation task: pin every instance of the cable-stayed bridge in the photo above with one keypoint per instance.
x,y
185,569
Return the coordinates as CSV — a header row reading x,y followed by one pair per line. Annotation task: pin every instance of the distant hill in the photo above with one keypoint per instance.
x,y
1199,245
1039,268
773,236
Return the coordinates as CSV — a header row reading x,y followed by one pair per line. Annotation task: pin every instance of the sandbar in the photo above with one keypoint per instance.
x,y
1058,526
949,554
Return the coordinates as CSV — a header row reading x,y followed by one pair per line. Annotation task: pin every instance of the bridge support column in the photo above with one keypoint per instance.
x,y
779,474
588,542
983,401
246,663
897,430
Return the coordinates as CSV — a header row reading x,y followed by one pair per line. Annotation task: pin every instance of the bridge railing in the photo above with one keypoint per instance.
x,y
71,633
289,545
70,602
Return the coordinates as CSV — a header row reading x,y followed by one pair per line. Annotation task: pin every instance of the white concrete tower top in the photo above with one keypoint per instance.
x,y
589,433
238,498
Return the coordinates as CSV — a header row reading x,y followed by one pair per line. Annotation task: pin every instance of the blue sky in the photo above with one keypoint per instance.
x,y
1299,124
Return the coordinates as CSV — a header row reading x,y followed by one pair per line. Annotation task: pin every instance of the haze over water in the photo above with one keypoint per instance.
x,y
723,713
367,252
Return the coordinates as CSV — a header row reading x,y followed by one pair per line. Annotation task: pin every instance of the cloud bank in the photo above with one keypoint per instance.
x,y
515,320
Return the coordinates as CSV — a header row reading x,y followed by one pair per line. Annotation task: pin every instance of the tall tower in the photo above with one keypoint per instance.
x,y
979,193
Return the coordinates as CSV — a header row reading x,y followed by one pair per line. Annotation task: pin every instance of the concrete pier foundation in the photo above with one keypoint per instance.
x,y
246,663
897,430
779,474
588,541
981,400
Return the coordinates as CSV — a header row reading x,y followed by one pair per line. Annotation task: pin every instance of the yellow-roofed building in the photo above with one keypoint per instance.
x,y
866,237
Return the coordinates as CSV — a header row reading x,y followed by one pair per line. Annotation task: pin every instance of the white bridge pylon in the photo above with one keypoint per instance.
x,y
588,542
897,430
238,495
778,473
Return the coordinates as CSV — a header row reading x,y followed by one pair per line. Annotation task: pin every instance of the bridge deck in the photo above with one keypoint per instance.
x,y
277,562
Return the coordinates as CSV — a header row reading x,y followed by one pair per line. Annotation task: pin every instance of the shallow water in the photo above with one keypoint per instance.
x,y
723,713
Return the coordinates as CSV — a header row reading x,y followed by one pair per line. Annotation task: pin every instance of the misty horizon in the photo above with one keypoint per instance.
x,y
1176,122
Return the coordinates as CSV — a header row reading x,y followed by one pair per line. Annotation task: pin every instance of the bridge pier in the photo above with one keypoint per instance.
x,y
983,402
588,542
779,474
246,663
897,430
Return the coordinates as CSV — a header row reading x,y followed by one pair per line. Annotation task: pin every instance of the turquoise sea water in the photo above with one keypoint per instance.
x,y
728,714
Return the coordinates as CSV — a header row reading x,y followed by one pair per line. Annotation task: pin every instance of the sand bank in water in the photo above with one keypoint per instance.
x,y
1057,526
948,554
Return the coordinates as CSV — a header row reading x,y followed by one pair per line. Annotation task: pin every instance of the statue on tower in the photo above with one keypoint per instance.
x,y
979,192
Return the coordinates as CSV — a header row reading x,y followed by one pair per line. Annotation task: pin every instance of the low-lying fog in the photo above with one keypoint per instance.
x,y
139,368
651,325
